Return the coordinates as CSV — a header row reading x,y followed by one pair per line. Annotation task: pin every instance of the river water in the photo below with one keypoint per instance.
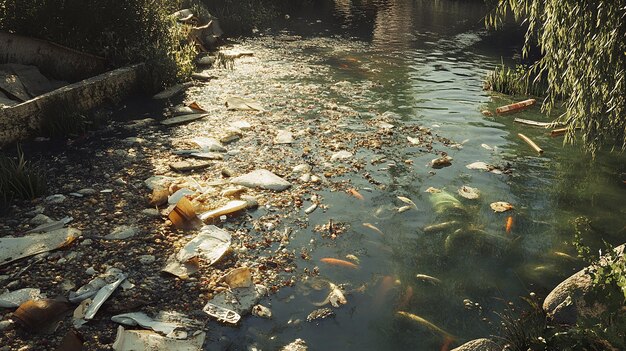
x,y
419,62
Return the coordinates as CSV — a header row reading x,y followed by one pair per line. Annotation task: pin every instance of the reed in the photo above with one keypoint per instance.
x,y
518,81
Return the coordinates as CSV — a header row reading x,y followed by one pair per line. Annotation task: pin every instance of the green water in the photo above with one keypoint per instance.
x,y
421,63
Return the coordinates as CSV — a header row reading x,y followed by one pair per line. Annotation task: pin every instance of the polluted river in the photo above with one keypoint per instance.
x,y
380,229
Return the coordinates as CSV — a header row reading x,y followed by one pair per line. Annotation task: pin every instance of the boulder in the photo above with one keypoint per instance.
x,y
572,298
479,345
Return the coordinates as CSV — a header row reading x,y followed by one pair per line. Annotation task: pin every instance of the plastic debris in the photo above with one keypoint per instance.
x,y
41,315
12,249
238,278
469,193
209,144
230,207
283,137
341,155
501,206
16,298
221,314
143,340
101,296
478,165
210,244
90,289
242,104
229,305
183,215
143,320
262,178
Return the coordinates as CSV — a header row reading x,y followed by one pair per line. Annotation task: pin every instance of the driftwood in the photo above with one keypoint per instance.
x,y
519,106
530,142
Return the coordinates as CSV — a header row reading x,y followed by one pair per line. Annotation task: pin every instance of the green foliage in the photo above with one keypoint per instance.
x,y
523,331
19,179
518,81
584,58
122,31
241,16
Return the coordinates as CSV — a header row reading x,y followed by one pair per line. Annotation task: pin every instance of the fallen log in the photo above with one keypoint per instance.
x,y
529,122
531,143
518,106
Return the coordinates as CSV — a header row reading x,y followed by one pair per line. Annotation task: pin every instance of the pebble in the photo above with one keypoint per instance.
x,y
151,212
87,242
283,137
4,325
147,259
302,168
90,271
341,155
122,232
40,219
55,199
87,191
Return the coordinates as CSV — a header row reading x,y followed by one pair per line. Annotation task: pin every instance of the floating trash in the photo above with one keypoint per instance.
x,y
469,193
501,206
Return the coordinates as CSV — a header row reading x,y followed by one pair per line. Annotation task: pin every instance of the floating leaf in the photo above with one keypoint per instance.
x,y
501,206
469,193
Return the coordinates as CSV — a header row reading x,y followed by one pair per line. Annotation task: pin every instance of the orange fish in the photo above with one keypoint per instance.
x,y
446,343
338,262
353,192
406,298
509,223
386,284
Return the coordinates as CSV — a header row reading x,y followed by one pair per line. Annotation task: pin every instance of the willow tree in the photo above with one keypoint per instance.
x,y
583,47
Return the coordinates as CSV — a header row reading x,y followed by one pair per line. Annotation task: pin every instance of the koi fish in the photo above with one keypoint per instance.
x,y
446,344
386,284
355,193
374,228
407,201
406,298
426,323
338,262
509,224
428,278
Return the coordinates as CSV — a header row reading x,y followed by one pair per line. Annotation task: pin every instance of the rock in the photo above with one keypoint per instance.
x,y
297,345
262,178
183,119
41,219
122,232
283,137
440,162
209,144
4,325
243,125
479,345
251,201
184,166
147,259
261,311
55,199
230,136
573,297
90,271
341,155
302,168
151,212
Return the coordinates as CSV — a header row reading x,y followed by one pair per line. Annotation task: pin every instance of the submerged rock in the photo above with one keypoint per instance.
x,y
479,345
297,345
262,178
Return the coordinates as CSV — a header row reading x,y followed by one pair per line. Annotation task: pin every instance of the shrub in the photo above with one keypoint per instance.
x,y
19,179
